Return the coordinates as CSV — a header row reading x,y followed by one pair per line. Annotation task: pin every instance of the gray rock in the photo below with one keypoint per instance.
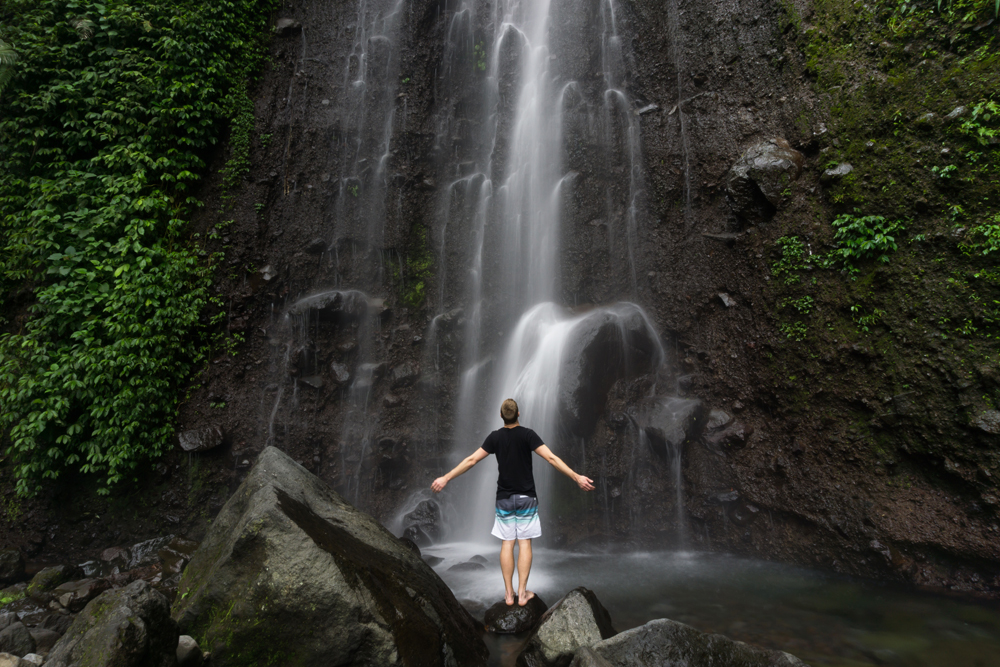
x,y
670,422
585,657
733,435
926,120
337,306
579,619
57,623
956,113
610,344
33,659
666,643
988,422
718,419
188,652
287,26
433,560
201,439
44,640
74,595
126,627
148,552
423,524
727,300
504,619
404,375
49,578
479,559
8,660
341,375
289,568
11,566
836,173
16,639
755,183
6,618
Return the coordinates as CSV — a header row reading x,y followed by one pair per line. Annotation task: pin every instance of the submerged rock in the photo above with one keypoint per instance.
x,y
289,568
755,183
578,619
127,627
666,643
504,619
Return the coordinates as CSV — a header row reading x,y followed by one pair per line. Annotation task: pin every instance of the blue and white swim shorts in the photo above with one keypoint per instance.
x,y
517,518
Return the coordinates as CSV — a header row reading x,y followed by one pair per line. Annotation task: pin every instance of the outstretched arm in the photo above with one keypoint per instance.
x,y
584,483
462,467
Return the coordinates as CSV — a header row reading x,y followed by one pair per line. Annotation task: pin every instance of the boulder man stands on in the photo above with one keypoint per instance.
x,y
517,504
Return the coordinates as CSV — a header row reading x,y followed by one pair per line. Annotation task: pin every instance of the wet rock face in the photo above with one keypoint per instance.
x,y
669,422
504,619
303,574
578,619
337,306
607,346
11,566
127,627
665,642
755,183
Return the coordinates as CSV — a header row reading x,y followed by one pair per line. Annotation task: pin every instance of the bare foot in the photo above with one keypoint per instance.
x,y
524,599
509,599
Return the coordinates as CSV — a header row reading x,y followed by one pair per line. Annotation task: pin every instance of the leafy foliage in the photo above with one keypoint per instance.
x,y
8,58
102,135
792,259
864,237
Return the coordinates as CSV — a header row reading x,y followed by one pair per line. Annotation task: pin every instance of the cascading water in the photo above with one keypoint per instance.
x,y
500,218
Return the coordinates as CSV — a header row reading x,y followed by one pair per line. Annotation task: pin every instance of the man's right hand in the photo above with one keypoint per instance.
x,y
442,482
585,483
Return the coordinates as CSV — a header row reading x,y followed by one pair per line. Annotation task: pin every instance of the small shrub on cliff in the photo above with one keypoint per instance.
x,y
792,260
864,237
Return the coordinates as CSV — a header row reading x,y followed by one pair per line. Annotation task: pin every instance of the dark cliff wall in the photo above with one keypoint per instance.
x,y
864,444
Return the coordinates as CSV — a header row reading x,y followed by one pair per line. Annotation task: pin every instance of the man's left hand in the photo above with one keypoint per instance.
x,y
440,483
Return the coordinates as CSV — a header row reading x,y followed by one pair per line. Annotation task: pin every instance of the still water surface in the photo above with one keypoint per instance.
x,y
823,619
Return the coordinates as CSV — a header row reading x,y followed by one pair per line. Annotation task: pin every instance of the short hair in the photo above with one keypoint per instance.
x,y
509,411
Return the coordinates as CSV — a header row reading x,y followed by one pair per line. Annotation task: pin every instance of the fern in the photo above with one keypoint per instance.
x,y
8,58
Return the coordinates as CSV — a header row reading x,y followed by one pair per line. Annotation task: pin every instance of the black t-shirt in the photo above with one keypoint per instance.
x,y
513,448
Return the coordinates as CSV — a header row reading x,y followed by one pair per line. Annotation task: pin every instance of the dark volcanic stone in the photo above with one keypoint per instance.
x,y
44,640
670,422
423,524
304,575
74,595
610,344
127,627
404,374
578,619
755,182
50,577
16,639
202,439
337,306
147,553
433,560
11,566
410,544
504,619
664,642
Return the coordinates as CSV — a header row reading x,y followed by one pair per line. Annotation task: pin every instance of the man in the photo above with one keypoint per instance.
x,y
517,504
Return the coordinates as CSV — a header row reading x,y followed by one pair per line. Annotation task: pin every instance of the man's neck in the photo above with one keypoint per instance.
x,y
511,425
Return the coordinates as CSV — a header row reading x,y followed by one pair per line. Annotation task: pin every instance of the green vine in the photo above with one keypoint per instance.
x,y
104,127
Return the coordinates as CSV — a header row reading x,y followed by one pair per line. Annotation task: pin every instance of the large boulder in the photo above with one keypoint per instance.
x,y
290,569
126,627
605,346
579,619
754,185
666,643
16,639
505,619
669,422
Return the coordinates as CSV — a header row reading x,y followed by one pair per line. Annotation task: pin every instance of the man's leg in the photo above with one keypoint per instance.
x,y
523,570
507,567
